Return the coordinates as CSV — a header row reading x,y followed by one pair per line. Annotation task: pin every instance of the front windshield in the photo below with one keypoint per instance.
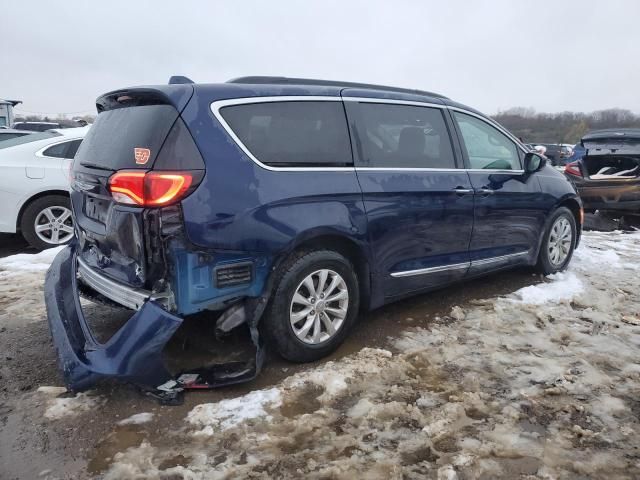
x,y
32,137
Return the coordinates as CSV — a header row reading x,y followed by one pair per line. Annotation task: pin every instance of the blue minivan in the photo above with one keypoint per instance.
x,y
289,205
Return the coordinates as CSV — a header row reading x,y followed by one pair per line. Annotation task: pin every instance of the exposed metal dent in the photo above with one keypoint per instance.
x,y
130,297
134,353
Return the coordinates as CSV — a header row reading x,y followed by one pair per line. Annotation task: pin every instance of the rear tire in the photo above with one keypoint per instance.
x,y
558,242
51,215
287,318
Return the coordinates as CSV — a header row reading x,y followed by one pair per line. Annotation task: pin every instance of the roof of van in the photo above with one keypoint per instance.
x,y
263,80
181,90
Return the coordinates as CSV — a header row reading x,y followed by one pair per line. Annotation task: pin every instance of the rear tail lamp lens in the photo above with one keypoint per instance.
x,y
573,168
150,189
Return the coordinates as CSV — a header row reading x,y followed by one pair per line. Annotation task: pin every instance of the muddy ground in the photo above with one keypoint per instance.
x,y
79,446
38,441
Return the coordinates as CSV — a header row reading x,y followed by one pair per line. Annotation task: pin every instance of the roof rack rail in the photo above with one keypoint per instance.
x,y
327,83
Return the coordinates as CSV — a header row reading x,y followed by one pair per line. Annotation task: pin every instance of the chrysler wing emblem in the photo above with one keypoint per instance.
x,y
142,155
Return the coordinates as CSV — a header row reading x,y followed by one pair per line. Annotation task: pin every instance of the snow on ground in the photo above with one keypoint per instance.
x,y
225,414
21,284
137,419
58,406
542,383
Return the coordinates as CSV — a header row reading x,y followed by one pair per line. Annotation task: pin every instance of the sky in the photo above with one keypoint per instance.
x,y
562,55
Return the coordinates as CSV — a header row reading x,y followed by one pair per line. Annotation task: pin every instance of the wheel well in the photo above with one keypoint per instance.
x,y
46,193
350,250
574,206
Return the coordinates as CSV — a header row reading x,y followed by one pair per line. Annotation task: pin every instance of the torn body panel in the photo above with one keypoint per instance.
x,y
134,353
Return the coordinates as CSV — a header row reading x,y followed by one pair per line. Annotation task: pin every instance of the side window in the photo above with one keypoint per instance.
x,y
487,147
56,151
73,148
402,136
292,134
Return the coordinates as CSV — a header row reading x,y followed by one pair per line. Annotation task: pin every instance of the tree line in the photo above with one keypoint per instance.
x,y
525,123
64,121
564,127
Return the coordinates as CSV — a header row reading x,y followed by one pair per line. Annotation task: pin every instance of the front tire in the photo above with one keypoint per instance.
x,y
47,222
314,304
558,243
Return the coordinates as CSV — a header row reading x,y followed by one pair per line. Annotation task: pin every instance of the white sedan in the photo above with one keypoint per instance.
x,y
34,185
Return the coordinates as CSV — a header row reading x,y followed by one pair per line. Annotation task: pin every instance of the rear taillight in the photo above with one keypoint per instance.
x,y
151,189
573,168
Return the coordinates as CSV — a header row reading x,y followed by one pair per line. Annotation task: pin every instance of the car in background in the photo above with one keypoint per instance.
x,y
9,133
36,126
577,153
607,176
34,186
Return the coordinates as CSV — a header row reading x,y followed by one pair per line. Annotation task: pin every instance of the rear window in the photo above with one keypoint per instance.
x,y
9,136
32,137
112,141
298,134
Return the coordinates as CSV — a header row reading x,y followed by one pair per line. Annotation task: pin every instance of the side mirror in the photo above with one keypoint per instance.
x,y
533,162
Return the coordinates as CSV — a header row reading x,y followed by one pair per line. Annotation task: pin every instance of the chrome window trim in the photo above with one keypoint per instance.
x,y
489,171
407,169
219,104
410,103
458,266
215,109
427,169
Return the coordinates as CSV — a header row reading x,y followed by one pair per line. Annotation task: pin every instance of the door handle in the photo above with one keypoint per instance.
x,y
462,191
485,191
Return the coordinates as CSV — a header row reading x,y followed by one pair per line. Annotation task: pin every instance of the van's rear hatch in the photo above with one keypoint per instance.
x,y
137,135
612,155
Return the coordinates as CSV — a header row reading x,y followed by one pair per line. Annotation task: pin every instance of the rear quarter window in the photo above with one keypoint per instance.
x,y
292,134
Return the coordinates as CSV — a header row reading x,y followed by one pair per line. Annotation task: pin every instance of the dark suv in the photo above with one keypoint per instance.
x,y
290,205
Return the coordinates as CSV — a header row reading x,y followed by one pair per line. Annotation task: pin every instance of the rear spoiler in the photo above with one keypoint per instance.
x,y
177,95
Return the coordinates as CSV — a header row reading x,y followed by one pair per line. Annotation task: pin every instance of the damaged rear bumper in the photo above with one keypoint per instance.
x,y
134,353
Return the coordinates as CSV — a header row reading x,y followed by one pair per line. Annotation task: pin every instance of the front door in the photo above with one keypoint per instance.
x,y
419,204
509,211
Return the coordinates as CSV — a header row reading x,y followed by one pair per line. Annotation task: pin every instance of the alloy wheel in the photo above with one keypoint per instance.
x,y
560,241
319,307
54,225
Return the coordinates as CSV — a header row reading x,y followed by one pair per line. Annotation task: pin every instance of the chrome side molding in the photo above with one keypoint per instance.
x,y
458,266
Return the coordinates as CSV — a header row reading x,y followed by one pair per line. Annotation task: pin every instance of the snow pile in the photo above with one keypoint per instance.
x,y
137,419
22,285
62,407
28,262
563,287
226,414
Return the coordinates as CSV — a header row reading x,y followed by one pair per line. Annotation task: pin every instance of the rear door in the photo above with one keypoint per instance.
x,y
419,204
509,208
